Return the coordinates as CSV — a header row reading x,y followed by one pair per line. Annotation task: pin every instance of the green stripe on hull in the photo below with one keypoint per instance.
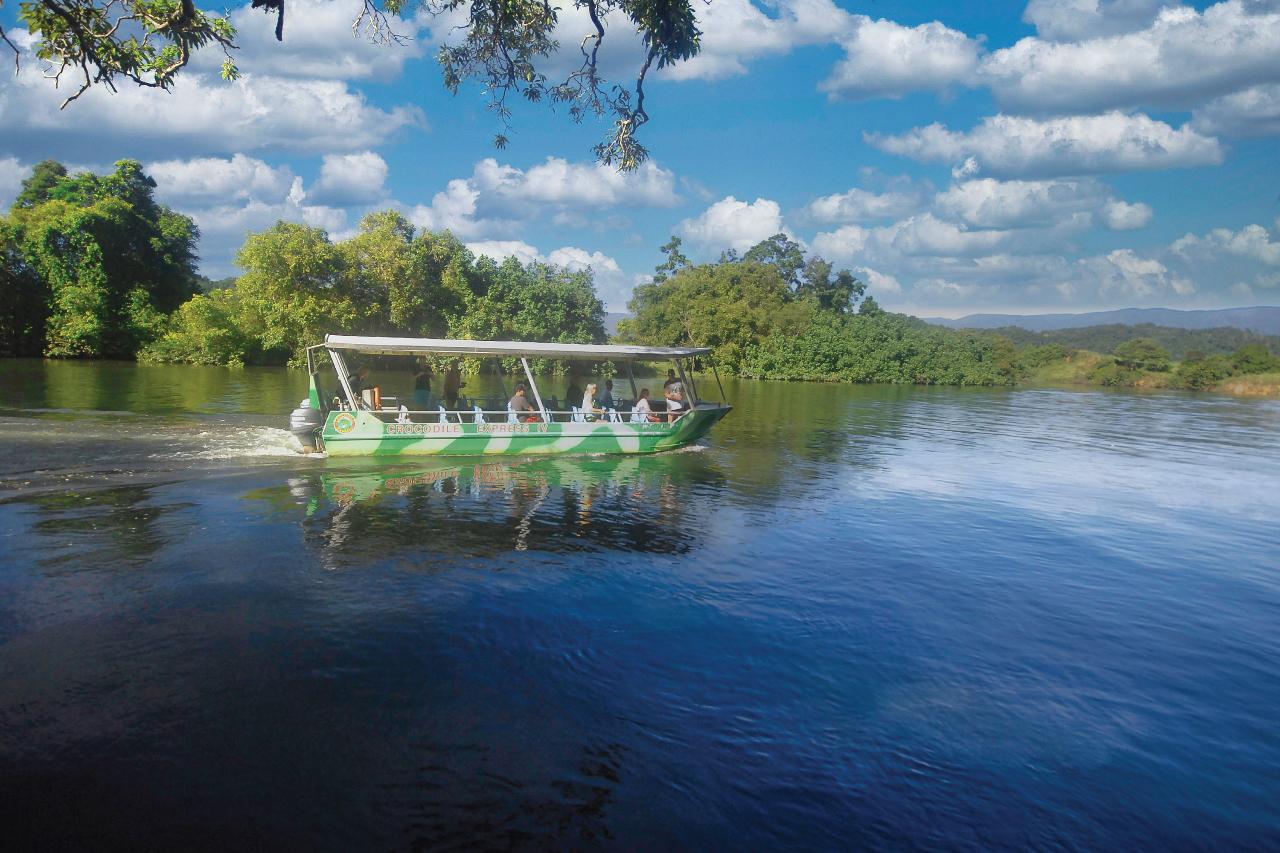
x,y
363,434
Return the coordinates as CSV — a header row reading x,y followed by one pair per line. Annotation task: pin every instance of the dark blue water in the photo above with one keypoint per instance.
x,y
856,617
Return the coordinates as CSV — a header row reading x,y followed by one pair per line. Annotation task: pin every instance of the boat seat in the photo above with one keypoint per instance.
x,y
511,416
638,417
479,415
403,417
577,417
444,416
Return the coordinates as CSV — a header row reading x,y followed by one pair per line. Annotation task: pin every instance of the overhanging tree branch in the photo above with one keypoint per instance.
x,y
506,47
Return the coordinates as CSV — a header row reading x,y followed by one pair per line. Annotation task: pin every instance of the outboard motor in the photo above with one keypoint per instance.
x,y
305,423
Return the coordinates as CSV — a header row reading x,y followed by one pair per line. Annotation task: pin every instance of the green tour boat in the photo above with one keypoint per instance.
x,y
360,419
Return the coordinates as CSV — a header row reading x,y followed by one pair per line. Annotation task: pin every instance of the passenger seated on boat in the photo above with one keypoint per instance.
x,y
520,406
356,381
642,411
605,400
591,411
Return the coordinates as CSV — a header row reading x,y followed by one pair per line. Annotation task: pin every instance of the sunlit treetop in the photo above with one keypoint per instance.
x,y
503,46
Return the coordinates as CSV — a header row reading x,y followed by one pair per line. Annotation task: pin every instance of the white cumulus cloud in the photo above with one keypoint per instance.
x,y
318,43
1181,59
879,283
861,205
12,174
884,59
1250,112
1074,20
200,116
500,250
216,180
842,245
496,198
349,179
733,224
1252,242
989,203
1123,216
737,31
1015,146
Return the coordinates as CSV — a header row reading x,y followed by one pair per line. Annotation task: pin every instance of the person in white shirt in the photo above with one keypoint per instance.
x,y
591,411
642,406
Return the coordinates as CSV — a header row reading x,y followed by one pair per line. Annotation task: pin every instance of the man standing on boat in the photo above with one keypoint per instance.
x,y
452,384
673,390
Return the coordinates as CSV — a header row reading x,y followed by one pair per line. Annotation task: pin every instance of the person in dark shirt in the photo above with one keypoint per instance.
x,y
519,403
422,388
452,384
605,400
574,395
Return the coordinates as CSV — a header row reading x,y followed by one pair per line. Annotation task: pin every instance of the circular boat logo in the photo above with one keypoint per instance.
x,y
344,423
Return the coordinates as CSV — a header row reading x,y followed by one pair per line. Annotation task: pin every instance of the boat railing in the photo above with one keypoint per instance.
x,y
614,415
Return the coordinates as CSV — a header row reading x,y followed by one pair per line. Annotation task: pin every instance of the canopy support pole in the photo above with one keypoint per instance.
x,y
690,391
524,362
631,375
716,374
340,363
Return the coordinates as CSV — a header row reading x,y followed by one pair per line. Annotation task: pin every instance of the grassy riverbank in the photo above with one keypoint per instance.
x,y
1085,368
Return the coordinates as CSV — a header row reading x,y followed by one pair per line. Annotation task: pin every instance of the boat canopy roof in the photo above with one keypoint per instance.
x,y
445,346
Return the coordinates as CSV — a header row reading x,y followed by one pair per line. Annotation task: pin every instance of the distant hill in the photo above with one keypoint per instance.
x,y
1262,319
1221,340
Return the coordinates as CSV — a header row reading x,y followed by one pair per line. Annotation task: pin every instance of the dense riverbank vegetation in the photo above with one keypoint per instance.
x,y
774,314
92,267
389,279
1179,343
1251,370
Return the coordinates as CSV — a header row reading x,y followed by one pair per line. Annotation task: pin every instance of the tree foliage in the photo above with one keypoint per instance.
x,y
92,264
1254,358
390,279
146,42
775,314
729,307
882,347
37,188
675,261
506,47
1142,354
1202,371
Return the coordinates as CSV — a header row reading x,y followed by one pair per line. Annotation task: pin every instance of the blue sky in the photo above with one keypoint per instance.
x,y
1066,155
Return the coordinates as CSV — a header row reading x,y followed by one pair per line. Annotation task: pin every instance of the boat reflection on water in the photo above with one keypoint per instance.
x,y
642,504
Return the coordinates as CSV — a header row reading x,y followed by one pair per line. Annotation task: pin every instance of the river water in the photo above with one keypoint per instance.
x,y
852,617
